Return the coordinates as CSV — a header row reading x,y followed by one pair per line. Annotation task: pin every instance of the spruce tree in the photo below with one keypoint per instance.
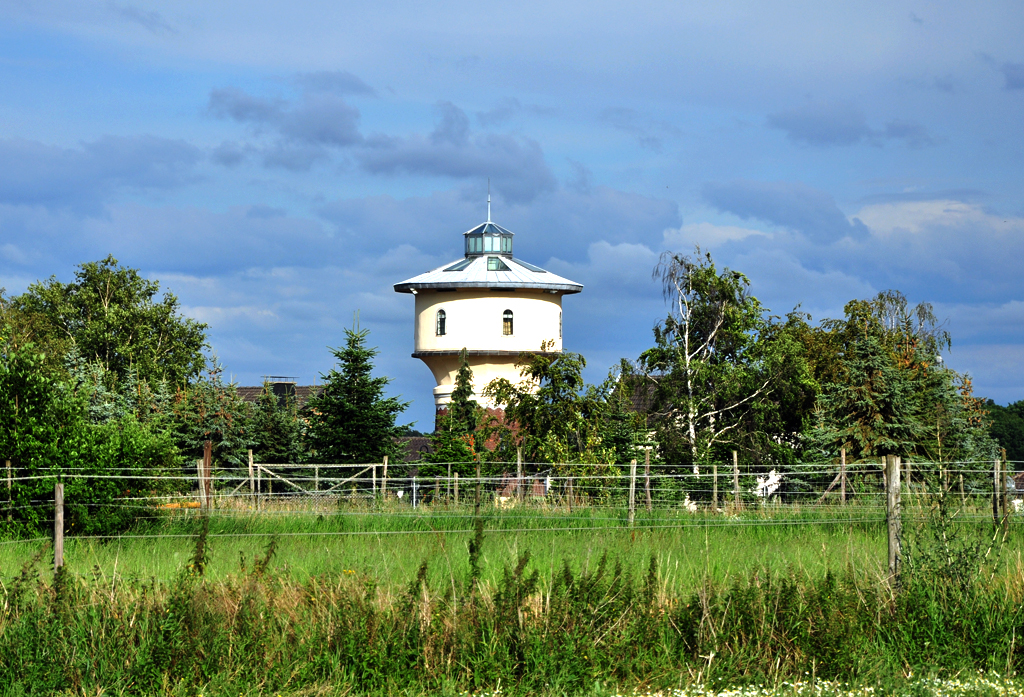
x,y
350,420
277,430
454,439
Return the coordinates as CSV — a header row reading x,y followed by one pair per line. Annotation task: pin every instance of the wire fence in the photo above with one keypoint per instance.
x,y
629,494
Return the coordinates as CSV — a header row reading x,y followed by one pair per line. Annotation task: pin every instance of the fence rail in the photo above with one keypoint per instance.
x,y
613,495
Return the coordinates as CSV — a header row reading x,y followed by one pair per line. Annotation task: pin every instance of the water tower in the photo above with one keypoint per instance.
x,y
489,302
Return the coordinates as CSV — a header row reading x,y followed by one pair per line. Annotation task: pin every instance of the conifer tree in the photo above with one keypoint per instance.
x,y
455,438
350,420
276,429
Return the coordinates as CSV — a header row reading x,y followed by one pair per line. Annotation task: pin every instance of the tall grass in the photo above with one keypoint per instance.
x,y
690,548
483,614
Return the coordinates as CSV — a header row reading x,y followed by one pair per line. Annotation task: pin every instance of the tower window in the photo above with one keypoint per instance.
x,y
441,317
506,323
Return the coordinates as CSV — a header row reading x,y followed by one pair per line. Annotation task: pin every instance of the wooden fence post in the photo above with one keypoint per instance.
x,y
384,480
519,473
10,491
995,491
1004,491
632,491
58,525
842,475
316,477
199,483
252,480
647,479
448,484
414,492
714,487
476,507
893,520
207,467
373,474
456,488
736,479
569,496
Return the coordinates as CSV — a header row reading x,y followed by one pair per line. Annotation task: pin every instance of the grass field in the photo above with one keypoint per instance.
x,y
690,548
355,601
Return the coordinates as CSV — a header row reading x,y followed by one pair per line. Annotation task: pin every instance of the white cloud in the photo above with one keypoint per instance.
x,y
707,235
916,217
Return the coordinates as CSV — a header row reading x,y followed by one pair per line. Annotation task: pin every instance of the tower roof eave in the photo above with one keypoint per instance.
x,y
474,273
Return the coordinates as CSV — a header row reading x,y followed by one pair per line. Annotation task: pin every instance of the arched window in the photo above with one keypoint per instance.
x,y
506,323
441,316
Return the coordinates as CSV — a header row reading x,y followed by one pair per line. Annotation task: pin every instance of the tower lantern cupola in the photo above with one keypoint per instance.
x,y
490,304
488,238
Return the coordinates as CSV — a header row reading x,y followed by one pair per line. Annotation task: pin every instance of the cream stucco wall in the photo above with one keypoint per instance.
x,y
474,321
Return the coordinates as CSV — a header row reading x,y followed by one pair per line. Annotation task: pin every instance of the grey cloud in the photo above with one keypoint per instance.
x,y
560,223
966,195
580,182
823,123
516,166
149,20
842,123
228,154
32,173
336,81
293,157
649,133
320,120
230,102
453,127
913,134
505,110
788,204
1013,74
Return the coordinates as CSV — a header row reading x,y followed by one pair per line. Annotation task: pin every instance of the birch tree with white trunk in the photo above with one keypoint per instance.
x,y
717,358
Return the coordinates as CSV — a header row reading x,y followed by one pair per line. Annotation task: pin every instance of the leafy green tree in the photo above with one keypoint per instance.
x,y
46,433
552,414
350,420
111,315
1007,428
719,363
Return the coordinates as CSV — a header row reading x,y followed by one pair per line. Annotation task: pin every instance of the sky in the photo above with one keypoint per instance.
x,y
280,166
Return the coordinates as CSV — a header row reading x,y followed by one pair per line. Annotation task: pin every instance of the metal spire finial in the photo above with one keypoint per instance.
x,y
488,199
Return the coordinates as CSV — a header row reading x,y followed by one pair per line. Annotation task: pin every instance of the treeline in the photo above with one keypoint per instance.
x,y
104,378
724,374
104,373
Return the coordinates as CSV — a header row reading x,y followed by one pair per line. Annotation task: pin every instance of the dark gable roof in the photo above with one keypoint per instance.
x,y
415,447
303,393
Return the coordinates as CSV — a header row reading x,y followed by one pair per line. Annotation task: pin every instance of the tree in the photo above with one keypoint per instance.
x,y
1007,427
111,315
210,409
455,440
718,359
350,420
873,412
277,430
46,432
552,414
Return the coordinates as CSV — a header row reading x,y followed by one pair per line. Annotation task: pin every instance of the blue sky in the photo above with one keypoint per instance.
x,y
279,166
